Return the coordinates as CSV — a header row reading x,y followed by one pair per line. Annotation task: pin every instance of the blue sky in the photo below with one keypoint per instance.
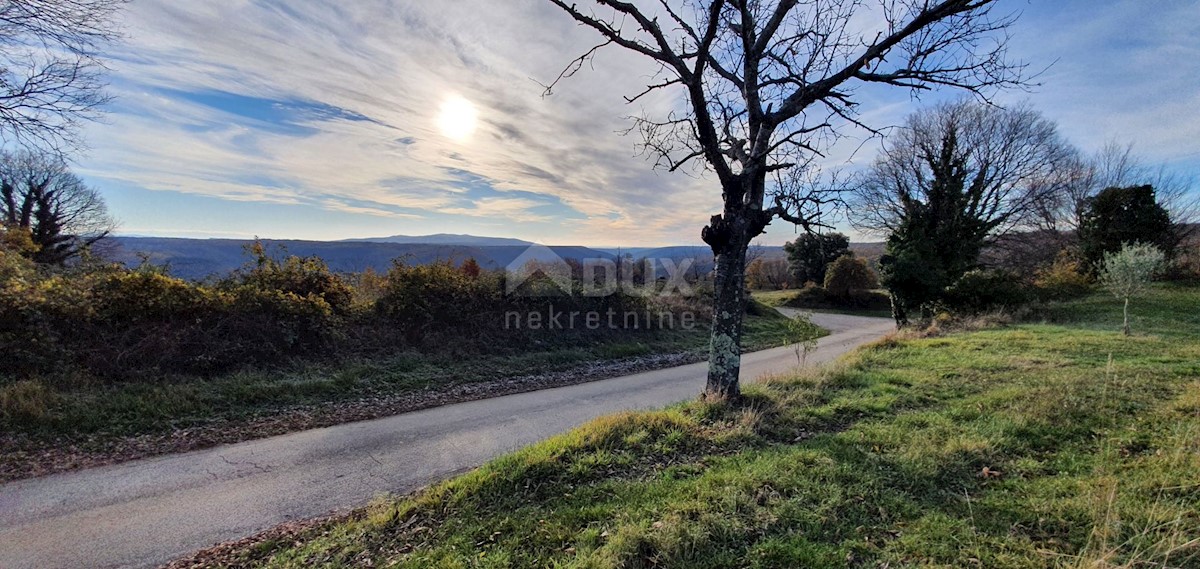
x,y
323,120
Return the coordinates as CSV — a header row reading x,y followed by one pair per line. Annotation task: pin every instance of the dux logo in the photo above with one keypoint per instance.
x,y
538,260
539,271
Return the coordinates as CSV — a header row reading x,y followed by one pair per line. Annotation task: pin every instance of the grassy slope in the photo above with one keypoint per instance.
x,y
85,407
1036,445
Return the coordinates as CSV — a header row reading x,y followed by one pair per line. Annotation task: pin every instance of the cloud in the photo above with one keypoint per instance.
x,y
334,106
336,103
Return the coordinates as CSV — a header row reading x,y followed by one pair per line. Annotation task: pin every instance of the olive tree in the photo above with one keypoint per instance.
x,y
765,87
1127,273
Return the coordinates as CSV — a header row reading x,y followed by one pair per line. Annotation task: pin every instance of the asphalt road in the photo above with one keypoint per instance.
x,y
148,512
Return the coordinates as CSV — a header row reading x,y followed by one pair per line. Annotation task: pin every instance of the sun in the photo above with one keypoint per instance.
x,y
457,118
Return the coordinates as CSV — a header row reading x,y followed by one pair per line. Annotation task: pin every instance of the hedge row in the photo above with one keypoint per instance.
x,y
113,322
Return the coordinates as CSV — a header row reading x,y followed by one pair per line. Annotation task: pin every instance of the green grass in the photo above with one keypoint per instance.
x,y
1037,445
778,298
773,297
78,407
1168,309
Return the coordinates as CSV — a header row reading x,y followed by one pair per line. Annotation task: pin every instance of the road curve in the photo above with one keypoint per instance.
x,y
148,512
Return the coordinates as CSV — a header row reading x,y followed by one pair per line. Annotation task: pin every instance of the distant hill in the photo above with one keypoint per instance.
x,y
446,239
870,251
199,258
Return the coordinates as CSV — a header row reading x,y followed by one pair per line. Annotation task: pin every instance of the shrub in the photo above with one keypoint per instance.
x,y
123,298
281,323
150,323
1065,278
848,275
118,323
803,334
368,287
36,310
872,300
471,268
302,276
419,297
1186,265
980,290
18,240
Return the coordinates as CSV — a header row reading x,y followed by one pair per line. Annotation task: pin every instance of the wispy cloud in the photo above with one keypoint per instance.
x,y
333,106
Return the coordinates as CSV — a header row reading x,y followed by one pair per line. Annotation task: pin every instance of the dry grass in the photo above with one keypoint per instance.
x,y
26,400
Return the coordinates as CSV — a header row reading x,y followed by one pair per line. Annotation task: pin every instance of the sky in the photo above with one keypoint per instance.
x,y
334,120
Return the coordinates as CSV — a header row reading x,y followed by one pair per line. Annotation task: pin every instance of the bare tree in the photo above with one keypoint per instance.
x,y
767,274
1012,161
769,85
62,215
50,70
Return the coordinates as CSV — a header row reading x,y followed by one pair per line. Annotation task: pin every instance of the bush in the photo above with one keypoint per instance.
x,y
421,297
281,323
980,291
849,275
123,298
117,324
1064,279
302,276
811,296
36,310
152,323
1186,265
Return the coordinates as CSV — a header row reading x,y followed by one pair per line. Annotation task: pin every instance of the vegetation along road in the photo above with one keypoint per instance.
x,y
147,512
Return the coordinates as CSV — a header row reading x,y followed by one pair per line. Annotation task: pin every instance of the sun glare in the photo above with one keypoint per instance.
x,y
457,118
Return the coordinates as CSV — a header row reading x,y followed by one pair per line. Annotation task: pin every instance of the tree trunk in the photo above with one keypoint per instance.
x,y
898,312
1125,327
729,306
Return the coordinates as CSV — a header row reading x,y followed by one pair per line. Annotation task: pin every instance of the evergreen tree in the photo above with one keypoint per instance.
x,y
938,238
810,255
1117,216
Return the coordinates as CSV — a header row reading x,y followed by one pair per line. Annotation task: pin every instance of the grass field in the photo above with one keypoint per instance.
x,y
1055,444
44,409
